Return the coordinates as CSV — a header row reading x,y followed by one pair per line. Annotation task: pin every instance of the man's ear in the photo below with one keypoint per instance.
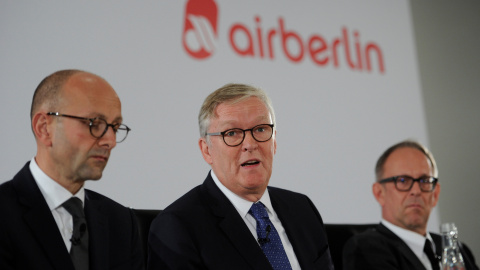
x,y
275,143
205,149
42,129
436,194
379,193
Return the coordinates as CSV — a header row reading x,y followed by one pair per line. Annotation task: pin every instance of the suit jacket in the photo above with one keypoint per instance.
x,y
203,230
30,238
382,249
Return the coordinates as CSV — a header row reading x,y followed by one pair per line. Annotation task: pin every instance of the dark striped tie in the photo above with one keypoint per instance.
x,y
431,255
79,249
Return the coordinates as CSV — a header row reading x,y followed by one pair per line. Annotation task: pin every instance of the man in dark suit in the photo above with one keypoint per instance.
x,y
49,221
234,220
401,240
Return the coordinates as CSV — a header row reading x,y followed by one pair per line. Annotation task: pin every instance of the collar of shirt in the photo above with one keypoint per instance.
x,y
414,241
242,205
55,195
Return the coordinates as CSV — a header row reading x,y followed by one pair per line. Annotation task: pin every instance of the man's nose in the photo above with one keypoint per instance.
x,y
249,143
109,139
416,188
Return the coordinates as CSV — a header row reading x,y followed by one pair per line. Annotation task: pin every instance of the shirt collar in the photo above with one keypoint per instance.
x,y
242,205
414,240
55,195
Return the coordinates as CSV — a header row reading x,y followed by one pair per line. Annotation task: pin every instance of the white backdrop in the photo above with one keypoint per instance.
x,y
333,121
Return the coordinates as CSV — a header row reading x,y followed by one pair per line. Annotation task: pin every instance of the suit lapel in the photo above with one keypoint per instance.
x,y
233,226
39,218
402,247
98,233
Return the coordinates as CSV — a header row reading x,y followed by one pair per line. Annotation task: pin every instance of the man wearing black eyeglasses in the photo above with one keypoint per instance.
x,y
235,220
407,190
48,220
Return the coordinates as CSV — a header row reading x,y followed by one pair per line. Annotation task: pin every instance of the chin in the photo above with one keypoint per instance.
x,y
416,223
94,176
255,184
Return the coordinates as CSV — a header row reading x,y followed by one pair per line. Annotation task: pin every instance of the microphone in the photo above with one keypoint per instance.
x,y
265,240
75,240
77,235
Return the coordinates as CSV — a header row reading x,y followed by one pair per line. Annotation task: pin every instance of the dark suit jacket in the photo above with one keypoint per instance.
x,y
30,238
382,249
203,230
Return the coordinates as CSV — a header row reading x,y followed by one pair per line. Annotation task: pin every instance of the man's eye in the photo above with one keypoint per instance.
x,y
231,133
96,125
426,180
115,128
402,180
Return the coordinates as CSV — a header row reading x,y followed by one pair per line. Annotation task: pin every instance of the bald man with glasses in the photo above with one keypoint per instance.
x,y
48,219
407,190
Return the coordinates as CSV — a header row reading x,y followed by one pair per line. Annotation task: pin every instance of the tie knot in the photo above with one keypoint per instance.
x,y
74,207
258,211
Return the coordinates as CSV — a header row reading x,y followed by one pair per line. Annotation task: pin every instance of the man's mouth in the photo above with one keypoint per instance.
x,y
415,205
103,158
250,163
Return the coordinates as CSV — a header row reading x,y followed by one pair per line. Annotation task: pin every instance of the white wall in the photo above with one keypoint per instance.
x,y
448,42
333,122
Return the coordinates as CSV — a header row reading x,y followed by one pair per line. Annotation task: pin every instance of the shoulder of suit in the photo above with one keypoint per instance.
x,y
5,186
371,237
96,197
284,191
189,200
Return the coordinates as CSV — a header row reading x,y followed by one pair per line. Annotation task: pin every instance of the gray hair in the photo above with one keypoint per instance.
x,y
230,93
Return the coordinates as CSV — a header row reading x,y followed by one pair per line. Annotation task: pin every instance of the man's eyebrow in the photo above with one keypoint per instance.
x,y
118,119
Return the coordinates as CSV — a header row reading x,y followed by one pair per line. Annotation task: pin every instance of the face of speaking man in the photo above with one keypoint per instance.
x,y
407,209
244,169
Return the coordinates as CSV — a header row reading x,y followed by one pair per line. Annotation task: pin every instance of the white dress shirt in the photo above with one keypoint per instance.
x,y
243,206
55,195
414,241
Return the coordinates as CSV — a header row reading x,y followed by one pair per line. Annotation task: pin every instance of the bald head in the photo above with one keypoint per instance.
x,y
47,96
47,92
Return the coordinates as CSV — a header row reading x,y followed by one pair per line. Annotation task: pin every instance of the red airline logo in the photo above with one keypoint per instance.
x,y
200,36
200,30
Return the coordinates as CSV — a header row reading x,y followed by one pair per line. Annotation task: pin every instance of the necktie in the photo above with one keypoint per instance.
x,y
79,249
269,239
431,255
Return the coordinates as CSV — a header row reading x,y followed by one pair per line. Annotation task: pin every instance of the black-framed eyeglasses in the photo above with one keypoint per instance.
x,y
99,126
405,182
235,136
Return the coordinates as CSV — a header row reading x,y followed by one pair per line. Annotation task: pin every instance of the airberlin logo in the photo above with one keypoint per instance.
x,y
200,37
200,30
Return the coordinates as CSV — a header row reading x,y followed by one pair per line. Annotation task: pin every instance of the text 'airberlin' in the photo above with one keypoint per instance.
x,y
201,33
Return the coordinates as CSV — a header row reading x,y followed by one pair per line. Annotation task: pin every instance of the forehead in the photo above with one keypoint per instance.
x,y
89,94
407,161
246,111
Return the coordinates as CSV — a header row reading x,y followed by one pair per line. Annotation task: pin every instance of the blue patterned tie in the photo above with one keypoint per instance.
x,y
269,239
